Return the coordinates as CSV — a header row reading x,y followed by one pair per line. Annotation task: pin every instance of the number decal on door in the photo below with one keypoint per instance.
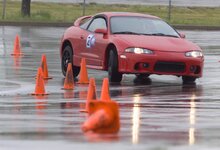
x,y
90,41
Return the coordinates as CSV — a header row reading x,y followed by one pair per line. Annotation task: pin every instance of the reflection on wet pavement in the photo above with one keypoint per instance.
x,y
162,113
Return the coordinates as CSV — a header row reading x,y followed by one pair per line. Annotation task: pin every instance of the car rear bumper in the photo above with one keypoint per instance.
x,y
163,63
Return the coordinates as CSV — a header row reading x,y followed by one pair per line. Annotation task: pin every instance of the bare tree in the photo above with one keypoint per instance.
x,y
26,8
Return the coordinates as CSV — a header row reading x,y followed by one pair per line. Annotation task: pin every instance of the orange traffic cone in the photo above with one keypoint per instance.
x,y
105,96
39,88
44,67
103,117
69,81
17,47
83,75
91,95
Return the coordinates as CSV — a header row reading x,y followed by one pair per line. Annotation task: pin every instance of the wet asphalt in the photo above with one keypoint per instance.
x,y
161,114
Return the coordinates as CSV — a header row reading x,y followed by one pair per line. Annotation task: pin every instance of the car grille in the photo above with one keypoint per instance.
x,y
175,67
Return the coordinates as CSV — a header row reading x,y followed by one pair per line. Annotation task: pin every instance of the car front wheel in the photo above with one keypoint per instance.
x,y
141,76
113,74
67,57
188,79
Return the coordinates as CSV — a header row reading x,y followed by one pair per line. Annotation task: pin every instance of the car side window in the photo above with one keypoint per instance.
x,y
85,24
98,23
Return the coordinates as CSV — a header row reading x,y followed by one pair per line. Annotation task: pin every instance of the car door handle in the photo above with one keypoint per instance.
x,y
81,37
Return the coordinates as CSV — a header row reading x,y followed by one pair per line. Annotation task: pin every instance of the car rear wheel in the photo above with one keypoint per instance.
x,y
67,57
113,74
188,79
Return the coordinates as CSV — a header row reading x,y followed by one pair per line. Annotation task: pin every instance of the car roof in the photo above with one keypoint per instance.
x,y
112,14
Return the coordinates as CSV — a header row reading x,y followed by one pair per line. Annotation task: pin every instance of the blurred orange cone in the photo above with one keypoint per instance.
x,y
17,47
69,81
105,96
44,67
39,88
91,95
83,75
103,117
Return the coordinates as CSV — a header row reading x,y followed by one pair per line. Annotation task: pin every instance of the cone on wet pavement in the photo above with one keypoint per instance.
x,y
103,117
105,94
83,75
17,47
44,67
91,95
39,87
69,80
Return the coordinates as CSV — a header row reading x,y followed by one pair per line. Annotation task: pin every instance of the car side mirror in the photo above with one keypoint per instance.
x,y
102,31
182,35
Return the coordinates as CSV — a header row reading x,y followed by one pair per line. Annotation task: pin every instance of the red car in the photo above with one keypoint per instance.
x,y
130,43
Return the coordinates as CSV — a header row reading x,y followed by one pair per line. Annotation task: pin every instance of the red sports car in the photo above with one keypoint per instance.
x,y
130,43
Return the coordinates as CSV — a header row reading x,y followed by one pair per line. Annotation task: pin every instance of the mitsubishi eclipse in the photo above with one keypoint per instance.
x,y
130,43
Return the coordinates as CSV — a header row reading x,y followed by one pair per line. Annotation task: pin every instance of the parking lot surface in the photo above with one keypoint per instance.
x,y
162,113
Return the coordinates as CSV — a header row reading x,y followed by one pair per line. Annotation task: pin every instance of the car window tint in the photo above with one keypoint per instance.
x,y
85,24
121,24
140,25
162,27
98,23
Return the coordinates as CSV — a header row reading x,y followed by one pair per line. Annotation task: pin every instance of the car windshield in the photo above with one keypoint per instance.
x,y
141,26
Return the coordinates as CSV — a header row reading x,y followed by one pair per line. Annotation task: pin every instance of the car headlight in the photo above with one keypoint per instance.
x,y
194,54
139,51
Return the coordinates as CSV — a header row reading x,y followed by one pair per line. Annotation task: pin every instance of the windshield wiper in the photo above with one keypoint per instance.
x,y
126,32
154,34
161,34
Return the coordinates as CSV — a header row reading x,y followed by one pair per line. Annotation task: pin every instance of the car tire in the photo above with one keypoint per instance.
x,y
67,57
113,74
142,75
142,79
188,79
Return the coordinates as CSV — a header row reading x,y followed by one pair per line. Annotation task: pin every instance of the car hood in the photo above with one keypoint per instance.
x,y
158,43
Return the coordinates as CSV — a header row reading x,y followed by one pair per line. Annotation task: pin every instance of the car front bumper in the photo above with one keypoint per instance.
x,y
162,63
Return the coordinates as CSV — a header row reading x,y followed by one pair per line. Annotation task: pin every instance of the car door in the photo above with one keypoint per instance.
x,y
81,41
95,43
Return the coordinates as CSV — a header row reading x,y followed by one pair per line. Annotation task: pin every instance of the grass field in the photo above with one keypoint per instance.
x,y
51,12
